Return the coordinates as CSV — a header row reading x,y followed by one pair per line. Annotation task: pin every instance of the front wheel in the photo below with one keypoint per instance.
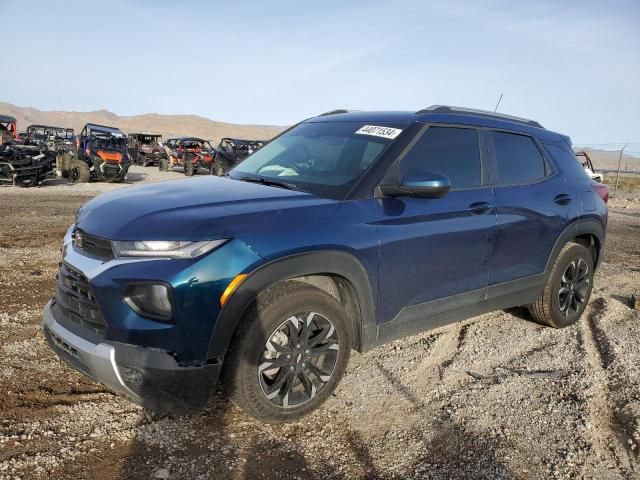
x,y
568,288
217,169
188,165
289,354
78,172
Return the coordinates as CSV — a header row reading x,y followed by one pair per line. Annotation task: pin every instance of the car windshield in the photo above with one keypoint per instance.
x,y
324,158
109,142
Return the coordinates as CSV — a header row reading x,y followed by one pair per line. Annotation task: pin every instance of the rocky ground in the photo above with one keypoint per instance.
x,y
493,397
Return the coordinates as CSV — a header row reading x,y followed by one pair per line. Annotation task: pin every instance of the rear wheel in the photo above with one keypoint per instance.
x,y
163,165
290,353
568,288
78,172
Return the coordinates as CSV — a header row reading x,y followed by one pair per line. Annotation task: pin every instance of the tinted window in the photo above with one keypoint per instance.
x,y
567,160
518,159
453,152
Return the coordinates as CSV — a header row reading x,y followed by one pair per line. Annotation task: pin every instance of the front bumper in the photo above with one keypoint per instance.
x,y
149,377
160,365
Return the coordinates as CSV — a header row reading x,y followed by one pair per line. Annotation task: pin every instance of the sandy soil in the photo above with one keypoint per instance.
x,y
493,397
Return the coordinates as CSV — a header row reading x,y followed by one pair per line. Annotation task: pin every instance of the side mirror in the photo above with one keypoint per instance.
x,y
419,184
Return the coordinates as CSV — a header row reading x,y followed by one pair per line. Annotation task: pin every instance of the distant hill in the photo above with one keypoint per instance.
x,y
608,160
166,125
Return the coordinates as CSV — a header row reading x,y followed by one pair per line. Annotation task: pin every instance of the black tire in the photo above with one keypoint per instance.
x,y
264,320
163,165
79,172
217,169
188,165
564,298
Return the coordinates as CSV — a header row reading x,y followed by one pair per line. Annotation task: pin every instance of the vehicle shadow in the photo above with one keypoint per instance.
x,y
220,443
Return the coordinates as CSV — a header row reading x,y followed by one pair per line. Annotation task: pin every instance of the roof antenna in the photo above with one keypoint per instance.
x,y
497,104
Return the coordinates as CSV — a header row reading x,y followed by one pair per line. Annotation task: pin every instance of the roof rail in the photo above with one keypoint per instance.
x,y
480,113
333,112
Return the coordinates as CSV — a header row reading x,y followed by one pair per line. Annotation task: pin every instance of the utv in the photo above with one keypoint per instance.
x,y
170,160
232,151
25,165
59,145
8,129
145,149
193,153
587,164
103,154
56,138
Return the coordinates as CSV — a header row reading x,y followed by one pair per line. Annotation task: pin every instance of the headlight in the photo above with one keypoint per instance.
x,y
152,300
165,249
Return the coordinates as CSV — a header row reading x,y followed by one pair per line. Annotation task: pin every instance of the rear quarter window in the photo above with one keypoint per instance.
x,y
567,161
518,159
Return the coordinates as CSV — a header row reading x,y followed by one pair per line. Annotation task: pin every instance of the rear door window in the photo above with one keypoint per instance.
x,y
518,159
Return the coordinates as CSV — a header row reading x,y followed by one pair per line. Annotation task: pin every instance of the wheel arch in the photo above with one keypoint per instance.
x,y
588,232
336,272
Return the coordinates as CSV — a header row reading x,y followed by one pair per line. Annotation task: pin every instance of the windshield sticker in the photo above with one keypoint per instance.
x,y
384,132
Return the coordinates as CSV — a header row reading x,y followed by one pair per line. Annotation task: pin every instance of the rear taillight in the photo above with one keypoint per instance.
x,y
602,190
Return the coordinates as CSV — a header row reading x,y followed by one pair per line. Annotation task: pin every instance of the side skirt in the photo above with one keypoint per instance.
x,y
437,313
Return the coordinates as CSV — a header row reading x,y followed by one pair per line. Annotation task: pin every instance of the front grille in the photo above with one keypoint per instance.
x,y
92,245
75,298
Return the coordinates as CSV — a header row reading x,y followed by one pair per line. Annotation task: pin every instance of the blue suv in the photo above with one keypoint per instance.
x,y
349,230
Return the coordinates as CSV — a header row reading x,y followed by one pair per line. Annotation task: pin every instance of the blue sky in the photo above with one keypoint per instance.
x,y
572,65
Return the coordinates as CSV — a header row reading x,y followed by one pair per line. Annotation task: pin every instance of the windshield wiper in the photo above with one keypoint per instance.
x,y
267,181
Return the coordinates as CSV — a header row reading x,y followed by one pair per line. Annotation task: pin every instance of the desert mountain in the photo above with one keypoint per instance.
x,y
167,125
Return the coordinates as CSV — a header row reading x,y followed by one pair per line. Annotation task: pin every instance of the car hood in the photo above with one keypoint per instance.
x,y
197,209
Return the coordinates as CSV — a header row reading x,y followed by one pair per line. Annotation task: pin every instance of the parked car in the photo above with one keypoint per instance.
x,y
231,151
146,149
193,153
587,164
102,152
8,129
349,230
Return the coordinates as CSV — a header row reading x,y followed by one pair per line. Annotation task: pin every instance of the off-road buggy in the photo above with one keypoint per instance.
x,y
587,164
59,144
231,151
55,138
8,129
146,149
102,152
193,153
169,147
24,166
45,152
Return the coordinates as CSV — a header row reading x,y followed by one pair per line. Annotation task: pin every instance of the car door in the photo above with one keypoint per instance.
x,y
434,253
533,204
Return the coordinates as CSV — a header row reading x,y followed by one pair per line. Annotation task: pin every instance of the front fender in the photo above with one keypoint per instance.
x,y
333,262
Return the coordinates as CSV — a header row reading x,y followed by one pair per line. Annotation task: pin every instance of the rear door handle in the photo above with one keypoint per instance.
x,y
562,199
478,208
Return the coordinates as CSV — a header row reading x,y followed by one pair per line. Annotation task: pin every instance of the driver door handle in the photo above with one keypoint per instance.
x,y
479,208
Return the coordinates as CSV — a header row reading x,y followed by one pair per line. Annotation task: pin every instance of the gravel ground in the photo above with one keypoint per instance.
x,y
493,397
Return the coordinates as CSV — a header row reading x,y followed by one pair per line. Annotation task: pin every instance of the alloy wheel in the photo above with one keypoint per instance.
x,y
574,286
299,359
